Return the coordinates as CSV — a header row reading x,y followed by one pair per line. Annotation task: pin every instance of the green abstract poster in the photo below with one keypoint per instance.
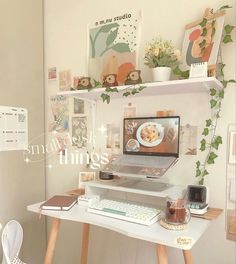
x,y
113,45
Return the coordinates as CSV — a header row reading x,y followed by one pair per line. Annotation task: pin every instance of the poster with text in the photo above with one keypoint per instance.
x,y
113,46
60,113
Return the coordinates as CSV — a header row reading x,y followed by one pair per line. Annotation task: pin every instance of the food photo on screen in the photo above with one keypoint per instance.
x,y
152,136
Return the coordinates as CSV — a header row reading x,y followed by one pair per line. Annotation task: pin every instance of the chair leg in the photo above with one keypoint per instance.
x,y
52,241
85,243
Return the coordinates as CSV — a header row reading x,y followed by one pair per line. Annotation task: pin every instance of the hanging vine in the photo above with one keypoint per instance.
x,y
211,141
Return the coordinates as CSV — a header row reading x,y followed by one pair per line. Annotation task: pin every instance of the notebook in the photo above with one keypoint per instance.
x,y
60,203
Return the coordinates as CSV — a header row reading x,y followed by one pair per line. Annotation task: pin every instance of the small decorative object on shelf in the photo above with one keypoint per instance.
x,y
82,83
198,70
134,77
110,80
161,56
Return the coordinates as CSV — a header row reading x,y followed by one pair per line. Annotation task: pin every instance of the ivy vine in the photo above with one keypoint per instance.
x,y
130,90
211,141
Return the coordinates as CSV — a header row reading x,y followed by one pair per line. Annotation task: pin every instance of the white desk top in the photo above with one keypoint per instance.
x,y
154,233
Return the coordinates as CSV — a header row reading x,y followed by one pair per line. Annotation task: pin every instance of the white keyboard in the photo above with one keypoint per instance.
x,y
126,211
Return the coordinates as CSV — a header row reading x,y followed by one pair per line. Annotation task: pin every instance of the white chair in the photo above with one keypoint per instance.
x,y
12,237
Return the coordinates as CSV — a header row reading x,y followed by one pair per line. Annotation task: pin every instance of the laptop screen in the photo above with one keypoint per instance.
x,y
157,136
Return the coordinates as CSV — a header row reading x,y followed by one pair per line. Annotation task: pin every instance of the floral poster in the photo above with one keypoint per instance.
x,y
60,113
79,131
202,40
113,44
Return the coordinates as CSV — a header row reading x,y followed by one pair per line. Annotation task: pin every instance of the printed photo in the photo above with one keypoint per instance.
x,y
60,114
188,140
232,147
84,177
79,132
129,111
78,106
52,73
65,80
113,136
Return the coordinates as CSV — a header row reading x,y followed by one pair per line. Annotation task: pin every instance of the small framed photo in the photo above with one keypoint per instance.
x,y
84,177
232,147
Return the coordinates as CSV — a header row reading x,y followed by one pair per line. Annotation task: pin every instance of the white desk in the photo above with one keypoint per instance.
x,y
154,233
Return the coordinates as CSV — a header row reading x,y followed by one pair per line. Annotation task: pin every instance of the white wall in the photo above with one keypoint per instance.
x,y
21,85
65,47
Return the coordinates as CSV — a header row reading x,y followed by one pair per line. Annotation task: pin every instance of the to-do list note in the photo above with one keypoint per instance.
x,y
13,128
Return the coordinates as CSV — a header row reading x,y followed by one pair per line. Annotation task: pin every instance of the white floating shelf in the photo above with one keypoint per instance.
x,y
195,85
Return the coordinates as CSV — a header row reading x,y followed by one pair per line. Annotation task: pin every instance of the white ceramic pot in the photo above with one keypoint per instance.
x,y
161,74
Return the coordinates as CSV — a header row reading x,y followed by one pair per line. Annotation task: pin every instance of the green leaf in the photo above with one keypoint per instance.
x,y
106,98
224,83
108,89
208,122
204,32
201,182
126,94
205,131
198,164
203,22
218,139
211,158
97,83
141,88
205,172
213,103
202,44
227,39
134,91
225,7
121,47
184,74
212,92
114,90
203,145
229,28
111,37
221,93
213,31
232,81
198,172
107,28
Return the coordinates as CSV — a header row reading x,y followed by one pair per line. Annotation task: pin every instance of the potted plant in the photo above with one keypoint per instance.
x,y
161,56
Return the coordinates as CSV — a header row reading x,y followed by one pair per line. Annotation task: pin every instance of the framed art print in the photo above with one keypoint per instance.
x,y
202,39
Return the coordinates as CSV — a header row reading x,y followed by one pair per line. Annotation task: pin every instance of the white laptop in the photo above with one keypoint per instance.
x,y
150,146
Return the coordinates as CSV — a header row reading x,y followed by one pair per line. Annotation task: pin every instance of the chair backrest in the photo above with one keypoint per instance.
x,y
12,237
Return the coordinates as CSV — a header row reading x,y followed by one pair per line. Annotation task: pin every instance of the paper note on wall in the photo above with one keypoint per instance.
x,y
13,128
232,192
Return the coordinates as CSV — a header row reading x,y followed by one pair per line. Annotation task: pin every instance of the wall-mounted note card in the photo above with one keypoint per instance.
x,y
13,128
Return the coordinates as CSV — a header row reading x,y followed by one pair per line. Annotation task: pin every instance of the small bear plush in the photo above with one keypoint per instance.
x,y
133,77
84,83
110,80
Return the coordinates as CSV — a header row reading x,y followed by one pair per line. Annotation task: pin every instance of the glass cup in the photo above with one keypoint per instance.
x,y
177,211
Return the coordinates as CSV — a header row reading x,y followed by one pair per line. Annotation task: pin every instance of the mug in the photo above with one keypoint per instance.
x,y
177,211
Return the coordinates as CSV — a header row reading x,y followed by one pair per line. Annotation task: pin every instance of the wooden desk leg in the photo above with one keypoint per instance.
x,y
162,254
52,241
187,257
85,242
